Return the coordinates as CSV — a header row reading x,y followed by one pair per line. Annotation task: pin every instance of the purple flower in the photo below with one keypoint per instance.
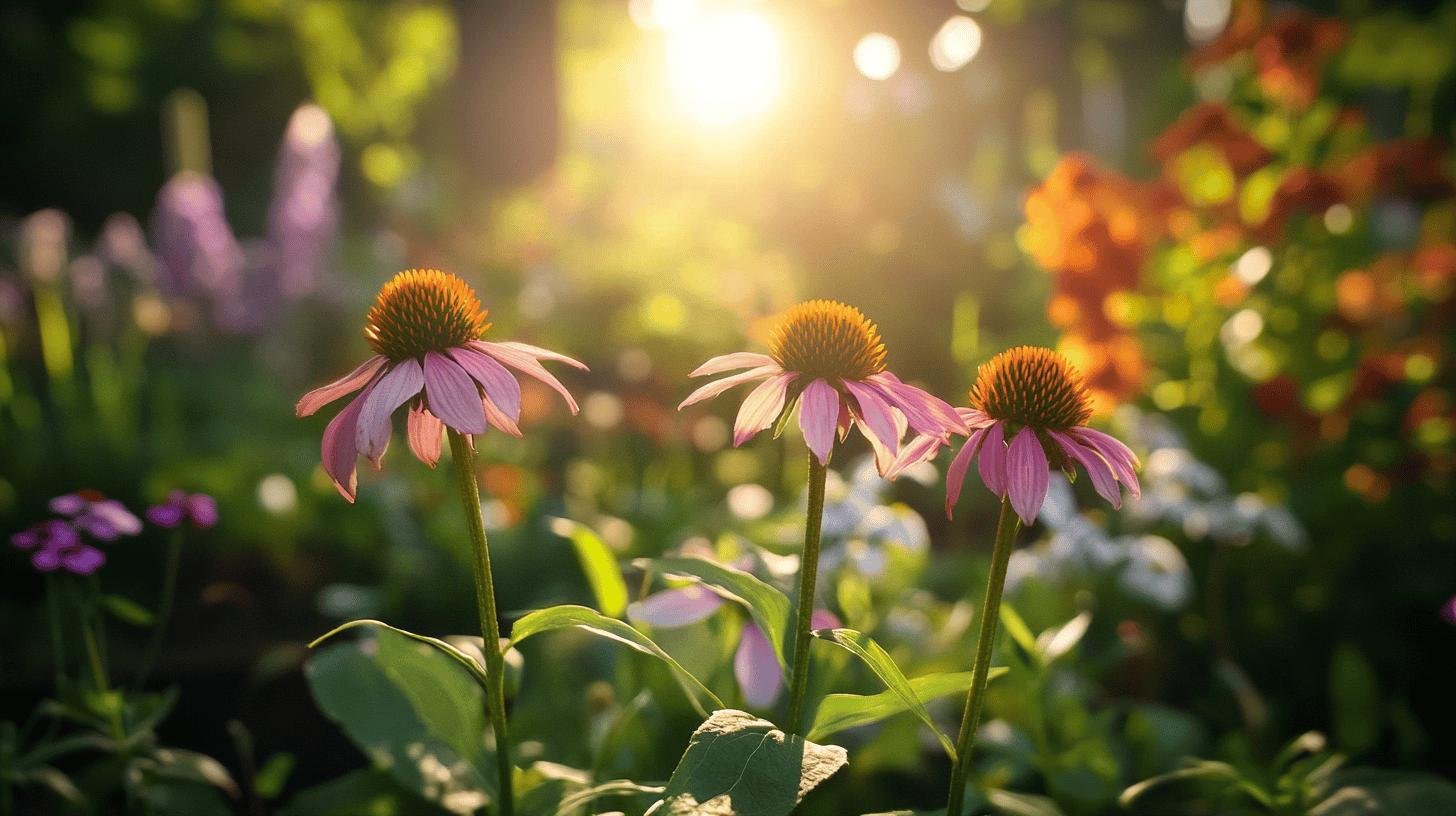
x,y
1448,611
122,243
56,544
94,514
303,217
199,509
197,254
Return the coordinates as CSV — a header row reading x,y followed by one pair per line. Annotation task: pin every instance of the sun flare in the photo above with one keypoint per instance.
x,y
726,67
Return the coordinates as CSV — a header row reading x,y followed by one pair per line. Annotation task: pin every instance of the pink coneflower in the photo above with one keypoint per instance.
x,y
827,357
426,328
93,513
56,545
1028,414
197,509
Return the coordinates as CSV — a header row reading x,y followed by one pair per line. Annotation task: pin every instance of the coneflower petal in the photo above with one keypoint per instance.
x,y
716,387
818,418
1027,476
500,419
423,428
732,362
526,364
992,460
762,406
498,383
955,475
452,396
545,354
671,608
347,384
340,450
875,416
1103,479
920,449
974,417
926,414
1123,461
756,668
399,385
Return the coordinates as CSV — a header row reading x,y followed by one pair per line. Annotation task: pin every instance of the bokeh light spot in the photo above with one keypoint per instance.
x,y
877,56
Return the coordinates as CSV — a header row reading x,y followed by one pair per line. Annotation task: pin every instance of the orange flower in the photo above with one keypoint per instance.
x,y
1301,190
1212,124
1292,53
1405,167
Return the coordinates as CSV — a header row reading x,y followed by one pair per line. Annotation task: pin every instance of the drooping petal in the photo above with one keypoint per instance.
x,y
818,416
756,668
1124,462
339,449
716,387
920,449
498,383
955,475
545,354
732,362
1026,475
974,417
423,430
926,413
451,395
500,419
992,459
762,407
845,421
347,384
401,383
671,608
1103,479
527,364
875,414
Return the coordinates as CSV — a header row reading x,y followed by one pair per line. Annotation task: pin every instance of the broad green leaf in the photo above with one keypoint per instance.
x,y
358,792
590,620
879,661
268,782
739,765
1377,792
470,663
599,563
768,607
572,804
1018,630
127,611
838,712
414,711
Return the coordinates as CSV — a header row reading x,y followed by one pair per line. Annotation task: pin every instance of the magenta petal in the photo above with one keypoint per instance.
x,y
1103,479
26,539
717,387
401,383
114,515
756,669
762,407
974,417
1123,461
926,413
732,362
671,608
992,459
500,419
1026,471
339,449
498,383
451,395
202,508
955,475
83,559
824,619
818,416
47,559
545,354
423,428
874,412
166,515
69,504
347,384
920,449
522,361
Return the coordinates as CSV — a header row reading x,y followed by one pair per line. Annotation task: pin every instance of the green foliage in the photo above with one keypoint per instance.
x,y
768,607
599,563
838,712
739,765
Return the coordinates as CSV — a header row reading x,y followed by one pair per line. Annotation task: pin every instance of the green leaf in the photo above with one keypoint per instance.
x,y
879,661
1203,771
1355,700
1018,630
127,611
590,620
190,766
1376,792
268,782
739,765
599,563
366,791
470,663
1009,803
768,607
413,710
573,803
838,712
1059,640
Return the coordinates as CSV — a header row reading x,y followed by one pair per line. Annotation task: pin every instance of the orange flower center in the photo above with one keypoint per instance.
x,y
1034,387
422,310
827,339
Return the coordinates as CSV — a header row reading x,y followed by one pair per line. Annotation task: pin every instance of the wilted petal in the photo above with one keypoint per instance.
x,y
992,460
423,428
955,475
545,354
1026,471
756,668
717,387
671,608
339,449
762,406
524,362
818,414
498,383
401,383
732,362
1103,479
347,384
451,395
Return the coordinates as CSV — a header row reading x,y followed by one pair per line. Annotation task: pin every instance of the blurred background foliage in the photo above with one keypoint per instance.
x,y
1237,217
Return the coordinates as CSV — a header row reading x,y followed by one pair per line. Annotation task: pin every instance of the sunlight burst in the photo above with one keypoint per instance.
x,y
725,68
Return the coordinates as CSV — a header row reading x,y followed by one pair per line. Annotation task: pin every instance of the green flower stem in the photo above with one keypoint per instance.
x,y
164,608
808,573
1006,528
495,694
